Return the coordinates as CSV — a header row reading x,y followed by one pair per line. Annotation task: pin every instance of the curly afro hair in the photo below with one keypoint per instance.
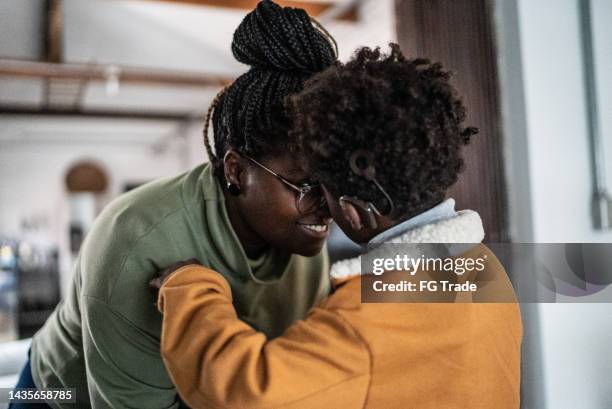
x,y
404,111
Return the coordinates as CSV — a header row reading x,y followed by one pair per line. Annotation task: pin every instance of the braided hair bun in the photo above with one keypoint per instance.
x,y
284,48
276,38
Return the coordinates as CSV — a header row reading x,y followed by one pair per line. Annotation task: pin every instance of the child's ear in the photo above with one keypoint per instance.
x,y
351,214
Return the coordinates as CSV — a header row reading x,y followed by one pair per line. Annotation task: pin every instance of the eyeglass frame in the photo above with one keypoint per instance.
x,y
303,191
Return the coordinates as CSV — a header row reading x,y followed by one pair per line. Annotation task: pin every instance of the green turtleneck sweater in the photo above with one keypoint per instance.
x,y
104,338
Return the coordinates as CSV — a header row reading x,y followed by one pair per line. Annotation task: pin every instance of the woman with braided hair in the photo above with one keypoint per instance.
x,y
251,214
251,131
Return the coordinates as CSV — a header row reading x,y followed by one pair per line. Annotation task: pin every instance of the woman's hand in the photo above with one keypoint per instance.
x,y
156,283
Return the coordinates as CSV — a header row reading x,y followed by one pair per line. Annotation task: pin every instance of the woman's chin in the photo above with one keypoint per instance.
x,y
313,248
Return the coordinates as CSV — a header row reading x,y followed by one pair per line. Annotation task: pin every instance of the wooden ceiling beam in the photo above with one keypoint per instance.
x,y
96,113
102,73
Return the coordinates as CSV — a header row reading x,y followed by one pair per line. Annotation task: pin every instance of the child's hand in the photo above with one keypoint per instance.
x,y
156,283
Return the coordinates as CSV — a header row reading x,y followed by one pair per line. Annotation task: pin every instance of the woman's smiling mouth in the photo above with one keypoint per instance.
x,y
316,230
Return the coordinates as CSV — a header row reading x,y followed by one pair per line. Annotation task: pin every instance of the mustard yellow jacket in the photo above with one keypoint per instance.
x,y
345,354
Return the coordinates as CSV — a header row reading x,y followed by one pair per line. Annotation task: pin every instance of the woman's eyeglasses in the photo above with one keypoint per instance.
x,y
310,197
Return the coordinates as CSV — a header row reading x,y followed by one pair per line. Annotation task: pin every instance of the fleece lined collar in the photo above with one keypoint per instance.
x,y
441,211
465,227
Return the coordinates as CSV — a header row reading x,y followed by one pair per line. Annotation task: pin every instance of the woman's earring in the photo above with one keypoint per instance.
x,y
234,189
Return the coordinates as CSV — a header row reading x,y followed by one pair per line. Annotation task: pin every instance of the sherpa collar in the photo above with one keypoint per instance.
x,y
441,211
465,227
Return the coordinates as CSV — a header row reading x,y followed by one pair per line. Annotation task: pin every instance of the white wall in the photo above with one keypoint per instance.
x,y
556,114
543,93
36,153
151,34
376,27
188,37
21,28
